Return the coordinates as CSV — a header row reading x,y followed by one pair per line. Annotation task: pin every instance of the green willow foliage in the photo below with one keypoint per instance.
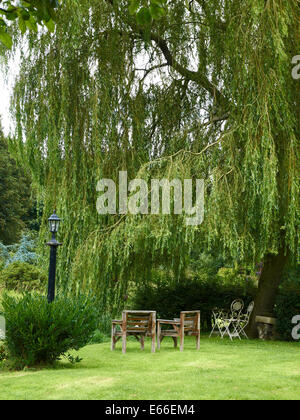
x,y
216,101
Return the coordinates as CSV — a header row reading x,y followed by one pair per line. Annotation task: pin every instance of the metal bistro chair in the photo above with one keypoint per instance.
x,y
224,320
231,324
218,315
243,320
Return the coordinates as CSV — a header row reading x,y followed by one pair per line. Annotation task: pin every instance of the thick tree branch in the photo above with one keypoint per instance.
x,y
194,76
197,77
148,71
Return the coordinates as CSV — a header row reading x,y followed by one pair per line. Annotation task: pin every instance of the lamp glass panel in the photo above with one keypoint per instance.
x,y
53,226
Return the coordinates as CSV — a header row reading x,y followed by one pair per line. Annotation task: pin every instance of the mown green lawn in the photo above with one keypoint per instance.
x,y
220,370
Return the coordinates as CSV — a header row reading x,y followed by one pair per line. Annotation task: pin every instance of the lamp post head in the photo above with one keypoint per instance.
x,y
54,222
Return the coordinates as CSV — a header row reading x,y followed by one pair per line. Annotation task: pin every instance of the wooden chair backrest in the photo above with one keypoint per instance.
x,y
138,321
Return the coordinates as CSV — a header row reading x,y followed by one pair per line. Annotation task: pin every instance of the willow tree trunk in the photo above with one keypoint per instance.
x,y
268,286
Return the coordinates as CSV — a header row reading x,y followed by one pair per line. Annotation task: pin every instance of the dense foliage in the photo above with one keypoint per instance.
x,y
147,11
38,332
3,353
203,92
21,276
29,14
168,300
15,196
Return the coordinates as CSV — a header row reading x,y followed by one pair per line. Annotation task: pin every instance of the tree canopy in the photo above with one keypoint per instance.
x,y
205,91
29,14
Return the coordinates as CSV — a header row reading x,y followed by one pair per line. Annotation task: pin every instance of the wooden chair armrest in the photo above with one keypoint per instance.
x,y
116,321
168,321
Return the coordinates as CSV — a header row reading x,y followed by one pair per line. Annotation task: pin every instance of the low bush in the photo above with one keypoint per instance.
x,y
21,276
169,300
38,332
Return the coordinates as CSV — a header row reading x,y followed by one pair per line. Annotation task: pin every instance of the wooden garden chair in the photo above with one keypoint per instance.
x,y
187,324
139,324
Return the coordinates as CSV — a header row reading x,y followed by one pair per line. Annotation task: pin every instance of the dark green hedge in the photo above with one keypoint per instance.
x,y
169,300
187,295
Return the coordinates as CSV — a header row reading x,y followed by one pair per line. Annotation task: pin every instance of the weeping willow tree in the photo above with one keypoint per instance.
x,y
203,92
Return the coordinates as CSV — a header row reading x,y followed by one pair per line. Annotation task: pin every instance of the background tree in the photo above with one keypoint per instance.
x,y
204,91
15,196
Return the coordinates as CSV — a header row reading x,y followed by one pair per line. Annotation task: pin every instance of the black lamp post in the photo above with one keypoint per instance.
x,y
54,221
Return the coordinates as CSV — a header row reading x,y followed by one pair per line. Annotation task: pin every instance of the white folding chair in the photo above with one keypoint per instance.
x,y
244,319
230,323
218,316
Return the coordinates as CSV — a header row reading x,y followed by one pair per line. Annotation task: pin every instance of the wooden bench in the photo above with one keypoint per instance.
x,y
139,324
187,324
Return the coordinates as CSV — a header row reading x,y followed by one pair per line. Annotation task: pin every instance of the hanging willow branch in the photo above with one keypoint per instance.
x,y
220,104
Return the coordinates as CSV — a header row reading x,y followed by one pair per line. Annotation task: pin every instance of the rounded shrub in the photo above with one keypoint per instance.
x,y
22,276
38,332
